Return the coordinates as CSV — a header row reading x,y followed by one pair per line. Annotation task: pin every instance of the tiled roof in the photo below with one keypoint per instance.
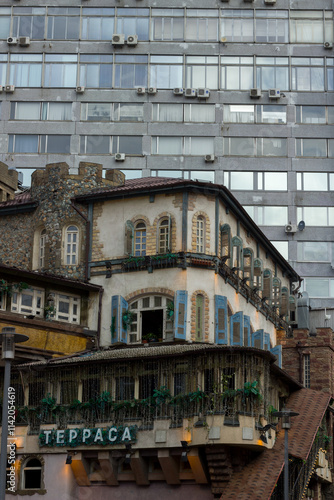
x,y
20,199
257,480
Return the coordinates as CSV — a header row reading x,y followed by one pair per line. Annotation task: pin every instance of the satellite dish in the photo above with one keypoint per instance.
x,y
301,225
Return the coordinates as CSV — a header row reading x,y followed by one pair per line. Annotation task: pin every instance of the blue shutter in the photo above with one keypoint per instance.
x,y
266,343
180,314
119,307
237,328
220,319
277,352
247,331
258,339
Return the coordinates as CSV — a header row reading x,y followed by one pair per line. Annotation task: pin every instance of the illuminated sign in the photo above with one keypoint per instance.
x,y
86,437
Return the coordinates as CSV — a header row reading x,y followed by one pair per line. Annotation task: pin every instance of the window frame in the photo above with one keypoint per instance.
x,y
71,253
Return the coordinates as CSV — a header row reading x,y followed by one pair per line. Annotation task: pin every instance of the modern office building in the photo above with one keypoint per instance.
x,y
239,93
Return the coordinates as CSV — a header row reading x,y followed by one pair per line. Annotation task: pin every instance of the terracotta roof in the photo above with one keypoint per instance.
x,y
257,480
20,199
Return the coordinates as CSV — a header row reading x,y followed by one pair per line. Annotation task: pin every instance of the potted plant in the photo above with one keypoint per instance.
x,y
149,337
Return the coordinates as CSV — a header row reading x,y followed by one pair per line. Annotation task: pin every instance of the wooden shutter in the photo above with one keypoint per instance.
x,y
258,274
248,265
247,331
180,314
267,284
285,302
277,352
258,339
236,328
225,241
119,307
220,319
129,238
266,343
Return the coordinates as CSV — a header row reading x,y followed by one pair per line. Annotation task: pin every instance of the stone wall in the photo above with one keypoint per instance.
x,y
53,188
8,182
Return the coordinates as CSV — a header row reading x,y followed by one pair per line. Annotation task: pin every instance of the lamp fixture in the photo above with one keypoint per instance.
x,y
68,459
185,449
128,454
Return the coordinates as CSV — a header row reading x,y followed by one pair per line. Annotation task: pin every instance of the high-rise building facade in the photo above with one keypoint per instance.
x,y
239,93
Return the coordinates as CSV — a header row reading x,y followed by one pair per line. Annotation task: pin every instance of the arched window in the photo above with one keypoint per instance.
x,y
200,234
42,241
71,245
140,238
199,317
225,241
248,265
32,474
164,235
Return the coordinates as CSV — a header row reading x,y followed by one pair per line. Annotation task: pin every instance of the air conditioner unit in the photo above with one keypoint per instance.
x,y
132,40
118,40
328,45
119,156
141,90
11,40
209,158
9,88
80,90
203,93
24,41
178,91
291,228
255,92
152,90
274,94
1,88
190,92
269,2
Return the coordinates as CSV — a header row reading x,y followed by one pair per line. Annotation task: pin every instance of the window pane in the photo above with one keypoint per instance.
x,y
58,144
315,181
234,113
241,180
275,216
282,247
275,181
317,287
27,110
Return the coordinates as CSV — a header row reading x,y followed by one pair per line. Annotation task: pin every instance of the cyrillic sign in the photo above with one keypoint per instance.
x,y
84,437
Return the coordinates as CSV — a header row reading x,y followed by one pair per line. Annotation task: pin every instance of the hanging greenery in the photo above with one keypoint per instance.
x,y
10,288
170,309
127,319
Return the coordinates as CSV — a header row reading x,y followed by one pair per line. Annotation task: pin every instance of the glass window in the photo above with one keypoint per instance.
x,y
200,234
140,238
202,71
96,70
200,27
199,113
23,143
312,181
311,147
97,23
133,22
164,236
55,144
239,113
316,216
128,112
275,181
271,146
72,246
272,72
42,242
237,73
130,71
32,475
241,180
26,70
168,112
57,111
25,110
237,25
268,215
67,308
28,22
270,114
166,72
271,26
167,24
311,114
182,145
29,301
5,22
94,144
3,68
60,70
201,175
63,23
307,74
199,317
319,287
307,26
314,251
128,144
239,146
124,388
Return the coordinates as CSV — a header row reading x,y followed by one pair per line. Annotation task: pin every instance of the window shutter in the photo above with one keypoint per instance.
x,y
258,274
180,314
258,339
169,235
285,302
266,343
129,238
277,352
248,265
276,292
220,319
247,331
119,307
267,284
236,328
225,243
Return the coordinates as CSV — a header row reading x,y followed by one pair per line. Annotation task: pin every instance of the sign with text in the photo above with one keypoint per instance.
x,y
88,437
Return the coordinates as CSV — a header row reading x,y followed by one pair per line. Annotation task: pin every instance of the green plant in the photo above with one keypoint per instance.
x,y
127,319
170,309
161,395
149,336
250,391
10,288
197,395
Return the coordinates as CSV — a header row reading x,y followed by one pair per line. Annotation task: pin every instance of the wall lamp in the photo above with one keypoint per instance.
x,y
128,453
69,456
185,449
